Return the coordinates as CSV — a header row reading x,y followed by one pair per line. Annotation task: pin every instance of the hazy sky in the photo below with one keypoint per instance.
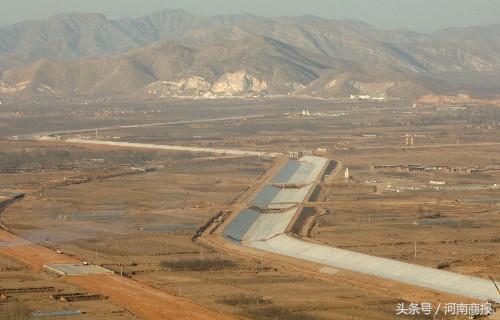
x,y
420,15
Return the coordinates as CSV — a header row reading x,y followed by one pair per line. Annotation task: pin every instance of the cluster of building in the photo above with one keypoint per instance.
x,y
379,97
442,187
427,168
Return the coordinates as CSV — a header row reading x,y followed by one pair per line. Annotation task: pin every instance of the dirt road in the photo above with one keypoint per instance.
x,y
32,255
142,300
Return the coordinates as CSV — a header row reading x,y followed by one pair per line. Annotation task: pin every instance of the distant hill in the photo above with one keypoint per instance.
x,y
174,53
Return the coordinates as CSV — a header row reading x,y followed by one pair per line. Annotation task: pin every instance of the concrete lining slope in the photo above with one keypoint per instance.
x,y
302,172
239,227
269,225
276,198
265,232
435,279
252,225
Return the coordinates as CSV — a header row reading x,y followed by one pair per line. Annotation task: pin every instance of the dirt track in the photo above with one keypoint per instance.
x,y
140,299
30,254
145,301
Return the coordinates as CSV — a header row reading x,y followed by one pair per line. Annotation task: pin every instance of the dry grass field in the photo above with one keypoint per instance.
x,y
143,222
455,230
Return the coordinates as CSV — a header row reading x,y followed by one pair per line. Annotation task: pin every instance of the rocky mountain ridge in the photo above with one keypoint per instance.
x,y
174,53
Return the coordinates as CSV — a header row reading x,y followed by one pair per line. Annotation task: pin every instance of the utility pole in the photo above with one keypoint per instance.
x,y
494,283
415,250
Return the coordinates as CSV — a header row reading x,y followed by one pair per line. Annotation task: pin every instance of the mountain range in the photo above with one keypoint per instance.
x,y
174,53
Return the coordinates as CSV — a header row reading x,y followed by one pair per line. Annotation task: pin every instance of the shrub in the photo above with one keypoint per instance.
x,y
197,264
242,299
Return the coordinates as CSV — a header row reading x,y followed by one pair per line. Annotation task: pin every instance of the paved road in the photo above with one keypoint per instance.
x,y
30,136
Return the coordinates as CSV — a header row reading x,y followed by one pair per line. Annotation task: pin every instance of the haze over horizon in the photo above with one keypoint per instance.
x,y
421,16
